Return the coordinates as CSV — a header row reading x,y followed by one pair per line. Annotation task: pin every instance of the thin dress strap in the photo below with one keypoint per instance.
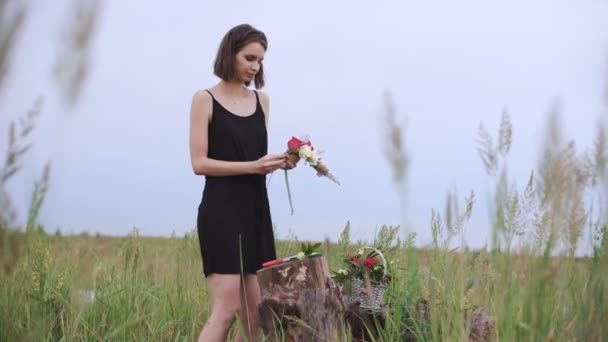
x,y
258,103
257,98
213,97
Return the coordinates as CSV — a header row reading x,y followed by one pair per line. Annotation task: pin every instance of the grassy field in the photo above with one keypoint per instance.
x,y
530,285
137,288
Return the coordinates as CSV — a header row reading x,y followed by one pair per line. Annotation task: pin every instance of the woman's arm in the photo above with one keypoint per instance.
x,y
200,115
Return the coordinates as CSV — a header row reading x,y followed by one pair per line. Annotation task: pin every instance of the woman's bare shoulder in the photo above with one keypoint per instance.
x,y
263,95
202,104
201,96
264,100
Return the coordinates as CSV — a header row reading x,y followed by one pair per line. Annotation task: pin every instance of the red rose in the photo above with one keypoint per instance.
x,y
369,262
294,143
357,260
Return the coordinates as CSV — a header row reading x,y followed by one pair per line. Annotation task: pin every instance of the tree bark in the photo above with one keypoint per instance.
x,y
300,302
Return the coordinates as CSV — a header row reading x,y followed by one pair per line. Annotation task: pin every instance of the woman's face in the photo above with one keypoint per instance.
x,y
248,61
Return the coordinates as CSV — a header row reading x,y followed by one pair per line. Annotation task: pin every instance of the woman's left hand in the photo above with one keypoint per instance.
x,y
290,162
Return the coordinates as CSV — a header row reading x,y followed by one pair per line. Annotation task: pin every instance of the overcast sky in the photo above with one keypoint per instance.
x,y
120,158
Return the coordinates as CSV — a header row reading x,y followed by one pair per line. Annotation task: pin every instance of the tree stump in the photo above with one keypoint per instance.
x,y
364,323
300,302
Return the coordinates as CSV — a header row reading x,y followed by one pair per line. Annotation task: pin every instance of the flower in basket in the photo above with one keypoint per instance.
x,y
302,148
366,263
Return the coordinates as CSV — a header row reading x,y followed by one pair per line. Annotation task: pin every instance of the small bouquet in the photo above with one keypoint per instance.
x,y
360,263
301,148
363,266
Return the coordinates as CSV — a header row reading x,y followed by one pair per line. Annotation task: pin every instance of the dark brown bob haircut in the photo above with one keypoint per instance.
x,y
231,44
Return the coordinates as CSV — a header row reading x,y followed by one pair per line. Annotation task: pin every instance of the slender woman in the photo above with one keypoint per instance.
x,y
229,146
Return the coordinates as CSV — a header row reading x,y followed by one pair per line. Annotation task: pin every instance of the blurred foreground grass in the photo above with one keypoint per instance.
x,y
138,288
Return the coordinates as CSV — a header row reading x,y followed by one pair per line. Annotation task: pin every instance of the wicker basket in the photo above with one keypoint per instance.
x,y
361,293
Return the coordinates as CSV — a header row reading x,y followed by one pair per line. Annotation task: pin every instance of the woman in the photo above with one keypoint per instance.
x,y
228,145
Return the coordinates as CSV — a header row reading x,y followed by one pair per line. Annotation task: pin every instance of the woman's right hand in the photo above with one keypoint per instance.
x,y
269,163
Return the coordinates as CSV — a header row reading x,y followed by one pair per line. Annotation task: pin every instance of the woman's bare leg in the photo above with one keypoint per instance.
x,y
224,290
250,298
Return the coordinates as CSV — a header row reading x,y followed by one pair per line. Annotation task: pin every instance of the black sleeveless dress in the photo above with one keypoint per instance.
x,y
234,223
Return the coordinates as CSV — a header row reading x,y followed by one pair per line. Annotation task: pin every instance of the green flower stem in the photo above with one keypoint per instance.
x,y
288,192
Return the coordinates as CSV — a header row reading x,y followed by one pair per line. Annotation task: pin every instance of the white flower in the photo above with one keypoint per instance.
x,y
342,271
300,255
313,159
305,152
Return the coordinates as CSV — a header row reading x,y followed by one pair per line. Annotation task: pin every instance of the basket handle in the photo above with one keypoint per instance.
x,y
379,253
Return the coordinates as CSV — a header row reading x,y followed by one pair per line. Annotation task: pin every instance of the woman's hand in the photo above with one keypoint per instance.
x,y
291,161
269,163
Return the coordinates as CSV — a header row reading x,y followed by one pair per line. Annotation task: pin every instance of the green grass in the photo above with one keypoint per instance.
x,y
153,289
